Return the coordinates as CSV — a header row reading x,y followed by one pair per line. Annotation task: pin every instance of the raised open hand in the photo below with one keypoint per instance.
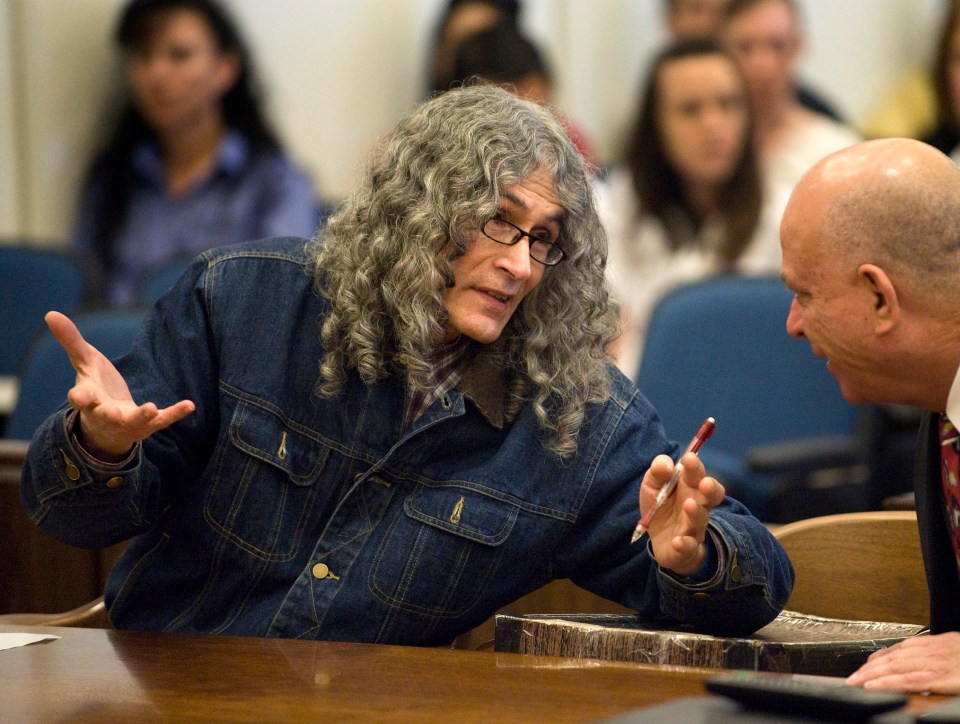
x,y
110,421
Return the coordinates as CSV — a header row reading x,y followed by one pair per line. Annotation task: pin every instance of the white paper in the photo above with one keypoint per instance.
x,y
13,640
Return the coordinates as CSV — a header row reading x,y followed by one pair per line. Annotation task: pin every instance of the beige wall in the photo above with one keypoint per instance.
x,y
9,168
340,72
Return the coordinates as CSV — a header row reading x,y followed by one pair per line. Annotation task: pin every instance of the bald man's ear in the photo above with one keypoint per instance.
x,y
886,303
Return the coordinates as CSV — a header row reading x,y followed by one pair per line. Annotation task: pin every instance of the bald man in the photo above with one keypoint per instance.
x,y
871,248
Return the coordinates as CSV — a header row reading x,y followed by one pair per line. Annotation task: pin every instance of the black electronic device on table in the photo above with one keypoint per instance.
x,y
804,695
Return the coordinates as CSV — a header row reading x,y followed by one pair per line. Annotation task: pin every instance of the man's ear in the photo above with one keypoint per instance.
x,y
886,303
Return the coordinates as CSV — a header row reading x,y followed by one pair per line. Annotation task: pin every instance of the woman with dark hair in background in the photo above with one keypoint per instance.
x,y
688,201
191,162
946,82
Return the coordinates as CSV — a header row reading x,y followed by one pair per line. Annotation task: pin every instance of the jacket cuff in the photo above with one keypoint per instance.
x,y
710,573
88,457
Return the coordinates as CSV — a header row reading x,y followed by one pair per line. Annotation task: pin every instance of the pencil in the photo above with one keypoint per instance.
x,y
705,431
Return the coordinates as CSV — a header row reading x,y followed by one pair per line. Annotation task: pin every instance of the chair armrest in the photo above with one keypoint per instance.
x,y
90,615
803,456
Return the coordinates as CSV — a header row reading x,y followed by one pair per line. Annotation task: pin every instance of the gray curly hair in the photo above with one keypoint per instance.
x,y
383,260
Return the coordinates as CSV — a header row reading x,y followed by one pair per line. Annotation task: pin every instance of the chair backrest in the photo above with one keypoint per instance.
x,y
47,373
158,281
720,348
32,282
858,566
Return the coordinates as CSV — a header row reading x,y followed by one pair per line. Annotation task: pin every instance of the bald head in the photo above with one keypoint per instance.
x,y
893,202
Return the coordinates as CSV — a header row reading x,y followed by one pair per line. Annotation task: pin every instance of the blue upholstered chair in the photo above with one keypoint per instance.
x,y
32,282
47,373
161,278
787,444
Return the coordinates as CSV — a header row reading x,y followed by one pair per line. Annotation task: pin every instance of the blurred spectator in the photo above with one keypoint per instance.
x,y
191,163
460,20
503,56
694,18
946,82
688,202
764,37
704,18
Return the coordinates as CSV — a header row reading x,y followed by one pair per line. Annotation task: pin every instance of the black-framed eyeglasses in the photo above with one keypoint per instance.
x,y
542,248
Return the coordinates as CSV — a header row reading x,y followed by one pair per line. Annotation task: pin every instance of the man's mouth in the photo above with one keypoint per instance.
x,y
501,297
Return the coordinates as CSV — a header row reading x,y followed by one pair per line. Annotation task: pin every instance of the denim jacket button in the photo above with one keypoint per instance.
x,y
320,570
73,472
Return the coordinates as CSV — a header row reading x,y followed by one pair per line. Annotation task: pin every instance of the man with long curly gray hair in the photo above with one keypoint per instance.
x,y
389,432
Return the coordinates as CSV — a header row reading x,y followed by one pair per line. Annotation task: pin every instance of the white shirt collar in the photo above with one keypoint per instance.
x,y
953,401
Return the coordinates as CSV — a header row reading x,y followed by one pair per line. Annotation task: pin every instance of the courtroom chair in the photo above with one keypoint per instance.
x,y
47,374
158,280
903,501
863,566
89,615
38,572
787,444
34,280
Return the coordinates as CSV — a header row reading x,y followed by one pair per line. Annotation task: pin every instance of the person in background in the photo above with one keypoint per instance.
x,y
705,18
871,249
504,56
191,162
688,201
460,20
765,39
945,136
387,433
693,18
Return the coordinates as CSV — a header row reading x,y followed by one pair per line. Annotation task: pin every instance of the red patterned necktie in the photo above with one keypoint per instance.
x,y
950,468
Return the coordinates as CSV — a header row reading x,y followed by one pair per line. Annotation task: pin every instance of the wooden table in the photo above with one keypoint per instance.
x,y
100,675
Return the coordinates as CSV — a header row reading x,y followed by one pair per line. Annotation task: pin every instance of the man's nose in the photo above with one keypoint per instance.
x,y
794,320
516,259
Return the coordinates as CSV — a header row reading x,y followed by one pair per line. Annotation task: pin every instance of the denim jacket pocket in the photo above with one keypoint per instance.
x,y
440,553
264,486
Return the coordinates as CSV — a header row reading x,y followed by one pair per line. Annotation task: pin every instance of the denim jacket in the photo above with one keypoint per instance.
x,y
274,511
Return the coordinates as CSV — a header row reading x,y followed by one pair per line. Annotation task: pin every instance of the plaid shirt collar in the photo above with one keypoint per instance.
x,y
445,375
482,373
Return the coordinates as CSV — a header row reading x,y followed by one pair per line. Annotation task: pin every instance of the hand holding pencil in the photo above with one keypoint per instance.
x,y
676,500
705,431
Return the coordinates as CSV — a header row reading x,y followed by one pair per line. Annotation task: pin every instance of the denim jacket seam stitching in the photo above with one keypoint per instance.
x,y
490,492
600,451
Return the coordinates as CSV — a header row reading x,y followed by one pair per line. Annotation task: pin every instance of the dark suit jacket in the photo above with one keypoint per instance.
x,y
938,559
